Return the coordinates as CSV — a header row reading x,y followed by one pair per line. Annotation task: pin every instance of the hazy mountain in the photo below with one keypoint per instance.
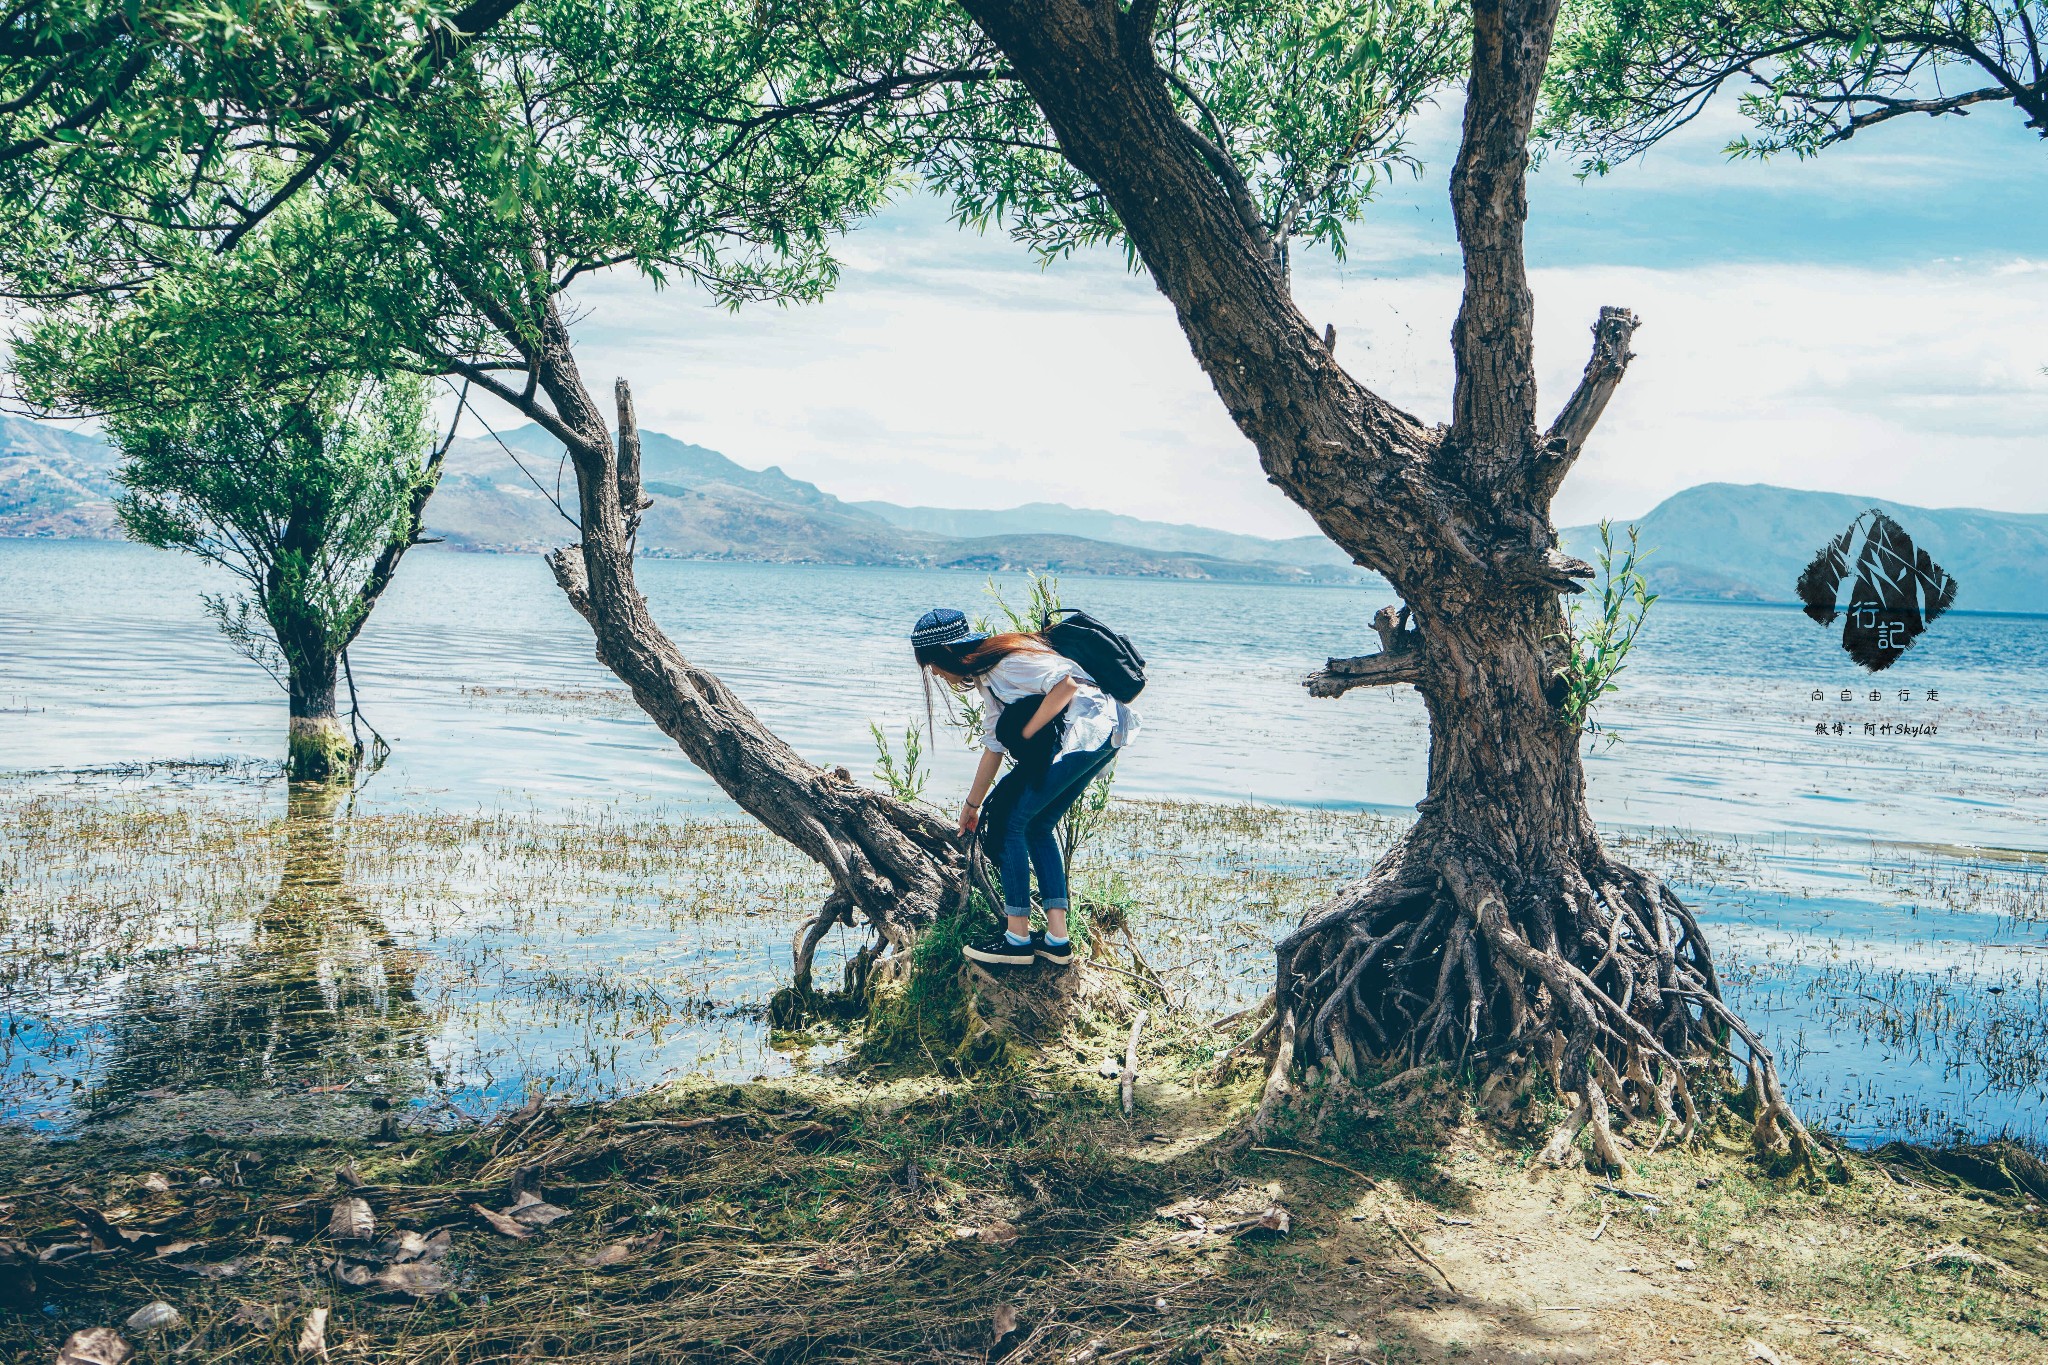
x,y
55,482
1717,541
1748,542
1034,518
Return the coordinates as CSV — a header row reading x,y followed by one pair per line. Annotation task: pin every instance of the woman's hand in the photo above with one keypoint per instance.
x,y
970,817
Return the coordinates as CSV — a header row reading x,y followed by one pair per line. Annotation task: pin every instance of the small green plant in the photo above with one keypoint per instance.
x,y
905,779
1041,604
1599,644
1084,817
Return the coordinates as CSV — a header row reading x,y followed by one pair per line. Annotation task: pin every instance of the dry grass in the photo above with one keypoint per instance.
x,y
907,1220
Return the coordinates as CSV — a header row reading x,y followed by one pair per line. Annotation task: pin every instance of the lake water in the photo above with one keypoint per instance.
x,y
1879,894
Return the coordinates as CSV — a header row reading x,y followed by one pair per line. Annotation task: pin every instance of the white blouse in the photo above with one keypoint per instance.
x,y
1093,716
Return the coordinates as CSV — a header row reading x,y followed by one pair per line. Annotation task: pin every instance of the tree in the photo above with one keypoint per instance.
x,y
1499,933
1812,72
122,118
309,487
678,138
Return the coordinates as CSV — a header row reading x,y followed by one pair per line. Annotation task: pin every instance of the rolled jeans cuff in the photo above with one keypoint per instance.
x,y
1022,911
1054,903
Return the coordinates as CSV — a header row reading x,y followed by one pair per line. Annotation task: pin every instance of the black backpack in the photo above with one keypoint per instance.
x,y
1113,661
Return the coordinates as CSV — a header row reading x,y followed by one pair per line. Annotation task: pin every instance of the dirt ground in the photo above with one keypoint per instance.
x,y
911,1216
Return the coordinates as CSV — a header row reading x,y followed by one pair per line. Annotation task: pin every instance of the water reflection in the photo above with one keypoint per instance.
x,y
319,995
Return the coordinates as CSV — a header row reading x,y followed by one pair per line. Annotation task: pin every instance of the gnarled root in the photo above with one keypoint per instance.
x,y
1585,970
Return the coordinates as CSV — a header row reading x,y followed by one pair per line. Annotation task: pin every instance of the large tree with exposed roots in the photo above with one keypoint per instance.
x,y
1499,933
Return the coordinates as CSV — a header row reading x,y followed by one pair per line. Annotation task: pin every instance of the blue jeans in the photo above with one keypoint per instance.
x,y
1029,841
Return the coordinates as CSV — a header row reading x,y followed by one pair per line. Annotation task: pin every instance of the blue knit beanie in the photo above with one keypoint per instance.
x,y
943,630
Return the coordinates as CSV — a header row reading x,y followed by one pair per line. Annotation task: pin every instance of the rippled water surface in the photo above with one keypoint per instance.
x,y
538,888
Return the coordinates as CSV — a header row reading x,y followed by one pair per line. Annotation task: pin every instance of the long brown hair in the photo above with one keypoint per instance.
x,y
984,655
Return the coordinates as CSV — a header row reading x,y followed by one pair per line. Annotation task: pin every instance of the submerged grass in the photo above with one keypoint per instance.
x,y
190,940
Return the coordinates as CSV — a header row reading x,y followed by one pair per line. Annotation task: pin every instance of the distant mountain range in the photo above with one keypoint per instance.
x,y
1714,542
56,482
1730,542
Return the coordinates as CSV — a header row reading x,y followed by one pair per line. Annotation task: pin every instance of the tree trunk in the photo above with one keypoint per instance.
x,y
1498,932
321,749
897,866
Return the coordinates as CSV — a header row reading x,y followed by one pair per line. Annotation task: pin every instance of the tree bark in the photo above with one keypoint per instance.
x,y
320,749
1498,932
897,866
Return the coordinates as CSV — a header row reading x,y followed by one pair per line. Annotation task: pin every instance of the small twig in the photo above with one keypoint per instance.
x,y
1418,1252
1370,1183
678,1124
1256,1010
1606,1188
1131,1064
1603,1226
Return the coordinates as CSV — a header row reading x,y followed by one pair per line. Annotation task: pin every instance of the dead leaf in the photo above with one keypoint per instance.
x,y
421,1279
1756,1350
618,1253
352,1273
169,1249
154,1317
154,1182
217,1270
998,1233
352,1221
1006,1320
402,1246
95,1346
413,1246
500,1223
313,1336
535,1212
1274,1219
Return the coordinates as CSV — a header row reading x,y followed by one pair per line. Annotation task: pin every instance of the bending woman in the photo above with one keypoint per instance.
x,y
1040,708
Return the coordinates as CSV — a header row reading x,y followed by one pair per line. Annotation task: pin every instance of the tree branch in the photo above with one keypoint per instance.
x,y
631,501
1581,412
1339,676
1399,660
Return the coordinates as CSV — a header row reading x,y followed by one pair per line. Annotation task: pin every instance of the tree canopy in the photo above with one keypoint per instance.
x,y
1809,73
244,443
121,119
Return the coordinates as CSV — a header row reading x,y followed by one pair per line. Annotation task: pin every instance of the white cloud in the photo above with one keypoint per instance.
x,y
949,369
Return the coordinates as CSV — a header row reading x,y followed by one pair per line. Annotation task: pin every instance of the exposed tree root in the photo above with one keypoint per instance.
x,y
1590,972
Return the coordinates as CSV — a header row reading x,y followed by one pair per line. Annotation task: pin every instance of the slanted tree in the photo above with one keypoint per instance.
x,y
1500,932
676,138
308,487
1809,73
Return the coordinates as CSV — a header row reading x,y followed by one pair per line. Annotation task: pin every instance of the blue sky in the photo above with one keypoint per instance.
x,y
1869,322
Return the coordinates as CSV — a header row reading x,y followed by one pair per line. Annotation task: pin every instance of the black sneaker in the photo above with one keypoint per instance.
x,y
1059,955
997,951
